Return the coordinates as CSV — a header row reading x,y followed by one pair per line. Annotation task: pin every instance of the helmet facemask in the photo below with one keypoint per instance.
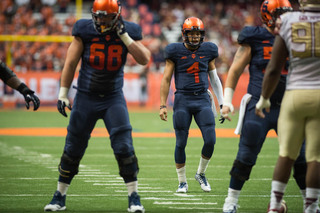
x,y
188,39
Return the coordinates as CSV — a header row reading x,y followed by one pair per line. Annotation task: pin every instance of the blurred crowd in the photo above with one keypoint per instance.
x,y
160,21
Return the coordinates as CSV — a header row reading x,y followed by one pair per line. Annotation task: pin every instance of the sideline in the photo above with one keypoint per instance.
x,y
102,132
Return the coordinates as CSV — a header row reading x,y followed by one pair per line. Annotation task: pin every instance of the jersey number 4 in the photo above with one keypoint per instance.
x,y
194,68
97,57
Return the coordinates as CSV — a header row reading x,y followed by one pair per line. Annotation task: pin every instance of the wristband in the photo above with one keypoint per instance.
x,y
126,39
163,106
63,93
228,95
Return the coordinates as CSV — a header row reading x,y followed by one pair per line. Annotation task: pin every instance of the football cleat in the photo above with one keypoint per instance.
x,y
230,205
283,208
58,203
201,178
134,203
182,188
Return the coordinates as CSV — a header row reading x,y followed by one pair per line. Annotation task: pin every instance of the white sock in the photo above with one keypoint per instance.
x,y
233,194
203,164
182,174
312,199
132,187
63,188
277,191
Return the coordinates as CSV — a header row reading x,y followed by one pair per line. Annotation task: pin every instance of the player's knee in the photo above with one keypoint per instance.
x,y
251,130
69,166
241,171
128,166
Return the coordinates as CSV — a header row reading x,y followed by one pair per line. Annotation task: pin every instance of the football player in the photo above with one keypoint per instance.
x,y
102,43
191,62
255,50
11,79
298,39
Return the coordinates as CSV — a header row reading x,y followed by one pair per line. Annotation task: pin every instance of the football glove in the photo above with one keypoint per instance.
x,y
121,29
29,96
221,119
63,101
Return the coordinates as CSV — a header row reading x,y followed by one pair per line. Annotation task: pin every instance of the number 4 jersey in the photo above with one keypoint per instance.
x,y
301,33
103,58
191,67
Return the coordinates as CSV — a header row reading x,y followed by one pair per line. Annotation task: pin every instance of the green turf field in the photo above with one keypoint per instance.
x,y
28,170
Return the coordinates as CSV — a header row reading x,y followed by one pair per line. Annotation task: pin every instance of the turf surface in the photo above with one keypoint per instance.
x,y
28,170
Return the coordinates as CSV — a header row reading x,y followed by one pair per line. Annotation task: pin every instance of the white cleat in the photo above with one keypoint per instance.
x,y
201,178
134,203
230,205
183,188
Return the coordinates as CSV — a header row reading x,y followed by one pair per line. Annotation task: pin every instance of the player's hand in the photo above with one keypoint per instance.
x,y
163,113
29,96
221,119
226,109
63,101
121,29
262,104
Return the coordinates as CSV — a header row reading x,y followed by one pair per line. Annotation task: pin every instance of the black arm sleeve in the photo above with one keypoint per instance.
x,y
5,72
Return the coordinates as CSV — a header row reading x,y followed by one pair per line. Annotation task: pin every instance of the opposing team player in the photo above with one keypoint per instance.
x,y
11,79
102,43
255,49
191,62
299,39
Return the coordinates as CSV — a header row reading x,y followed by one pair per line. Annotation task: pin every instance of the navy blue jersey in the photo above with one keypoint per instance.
x,y
261,42
103,58
191,67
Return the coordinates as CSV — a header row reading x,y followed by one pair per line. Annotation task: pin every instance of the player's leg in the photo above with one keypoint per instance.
x,y
81,124
116,119
291,135
181,123
313,154
252,137
205,120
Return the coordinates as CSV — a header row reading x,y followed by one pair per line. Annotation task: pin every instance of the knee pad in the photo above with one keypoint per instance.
x,y
68,166
128,166
251,130
240,170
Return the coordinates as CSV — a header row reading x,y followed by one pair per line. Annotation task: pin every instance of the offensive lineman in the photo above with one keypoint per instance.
x,y
102,43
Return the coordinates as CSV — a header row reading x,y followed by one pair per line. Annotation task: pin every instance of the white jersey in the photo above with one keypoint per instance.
x,y
301,33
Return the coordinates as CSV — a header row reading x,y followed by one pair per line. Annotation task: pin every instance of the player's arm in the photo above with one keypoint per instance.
x,y
139,52
241,60
11,79
73,57
272,75
164,88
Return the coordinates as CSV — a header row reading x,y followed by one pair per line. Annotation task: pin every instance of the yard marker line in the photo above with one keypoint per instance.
x,y
191,208
183,203
178,199
141,191
108,181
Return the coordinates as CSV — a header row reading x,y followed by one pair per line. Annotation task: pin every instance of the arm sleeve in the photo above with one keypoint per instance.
x,y
216,85
5,72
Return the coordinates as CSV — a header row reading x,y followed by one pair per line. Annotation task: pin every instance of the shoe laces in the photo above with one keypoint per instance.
x,y
182,185
134,199
203,179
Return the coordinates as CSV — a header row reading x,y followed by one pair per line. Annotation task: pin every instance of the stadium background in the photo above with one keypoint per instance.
x,y
35,35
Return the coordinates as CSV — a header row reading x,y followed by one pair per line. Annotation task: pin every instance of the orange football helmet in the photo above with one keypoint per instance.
x,y
192,24
105,14
272,9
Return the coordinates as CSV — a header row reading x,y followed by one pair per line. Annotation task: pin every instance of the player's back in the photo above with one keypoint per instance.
x,y
301,32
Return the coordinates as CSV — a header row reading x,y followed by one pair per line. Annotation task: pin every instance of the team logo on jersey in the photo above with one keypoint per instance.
x,y
202,56
266,42
95,39
193,56
184,57
108,37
